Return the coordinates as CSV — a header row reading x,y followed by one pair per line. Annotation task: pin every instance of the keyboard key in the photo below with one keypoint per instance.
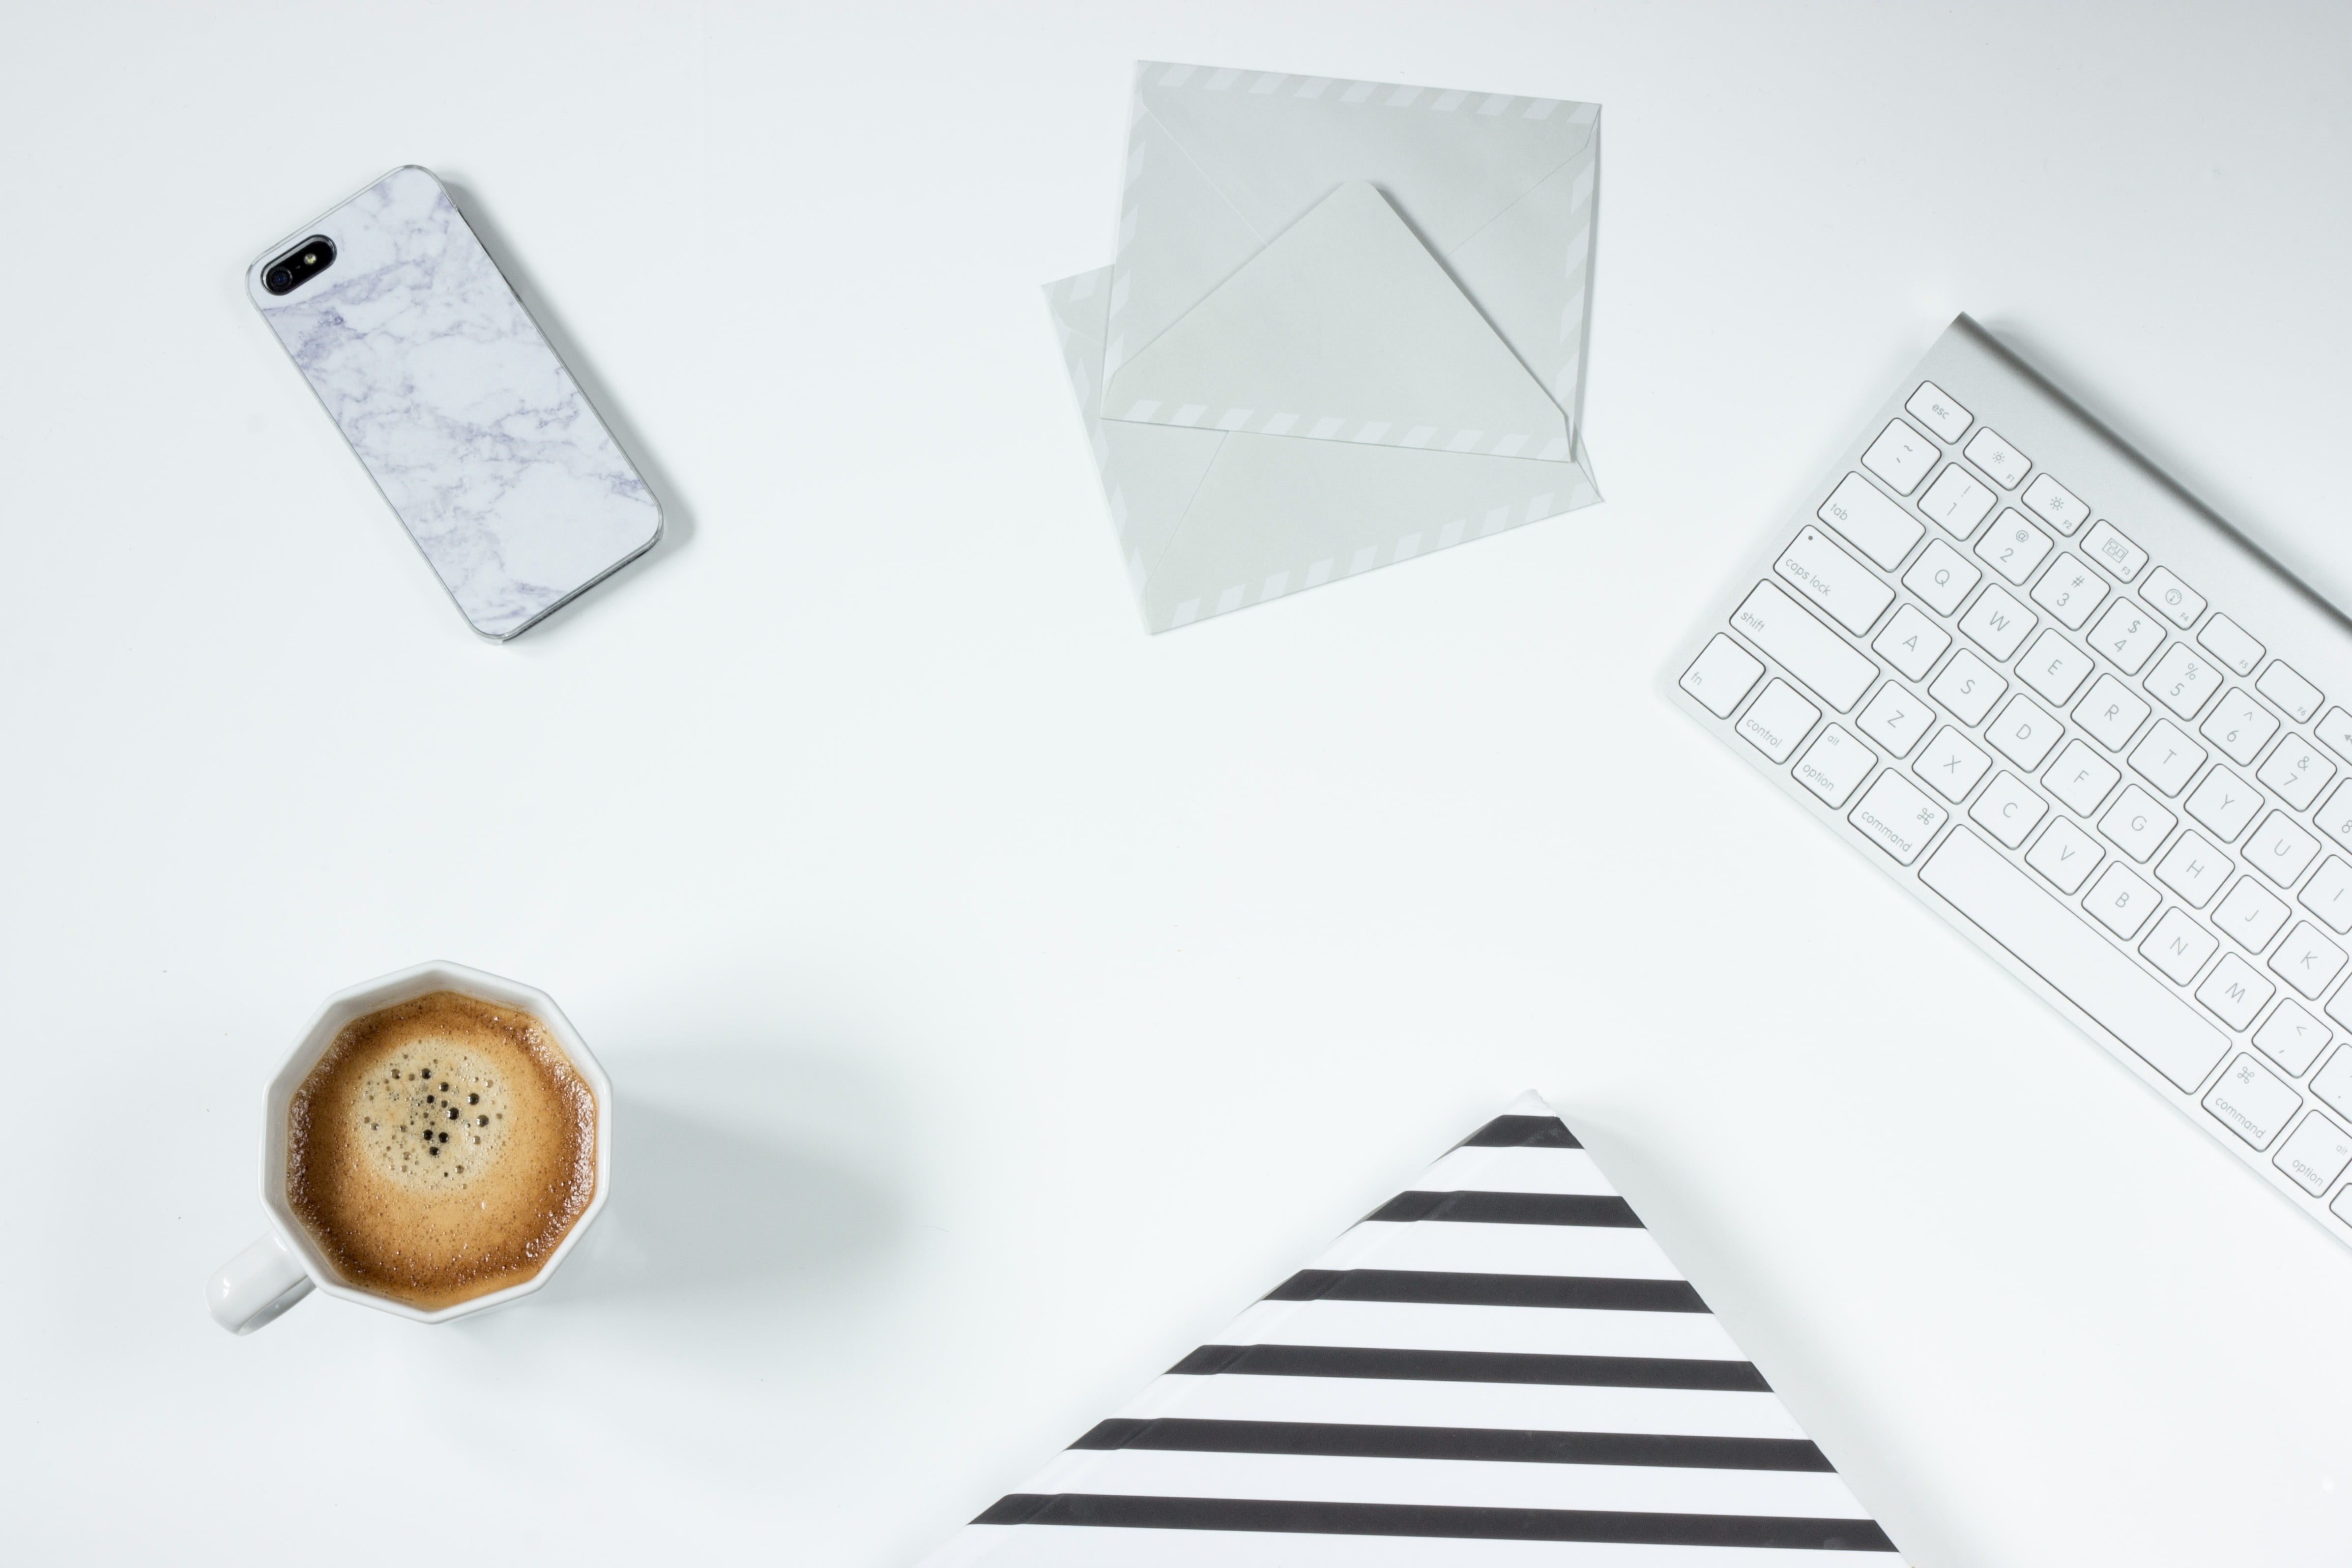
x,y
1806,648
2116,553
2317,1153
1721,674
2070,591
2249,916
2224,803
2054,666
2174,600
2005,463
1874,525
1835,766
2008,811
2290,691
2014,547
2194,869
1969,687
2298,771
2111,714
2179,946
2182,679
1896,719
2024,733
1896,817
2120,901
2292,1037
2227,641
2329,895
2127,634
1951,765
2306,959
2136,823
2132,1004
2065,854
2333,1083
1997,623
2080,778
1778,721
2335,730
2168,758
1829,578
2241,726
2248,1100
1955,501
2056,505
2235,992
2280,849
1938,410
1901,457
2335,818
1912,643
1941,577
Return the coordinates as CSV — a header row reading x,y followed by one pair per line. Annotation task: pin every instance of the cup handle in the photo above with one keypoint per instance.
x,y
256,1285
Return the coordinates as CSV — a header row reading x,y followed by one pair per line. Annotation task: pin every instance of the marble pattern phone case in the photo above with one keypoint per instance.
x,y
457,405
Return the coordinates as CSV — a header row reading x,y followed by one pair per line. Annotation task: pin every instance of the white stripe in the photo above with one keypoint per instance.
x,y
1447,1483
1569,1171
1530,1331
1607,1252
1515,1406
1082,1546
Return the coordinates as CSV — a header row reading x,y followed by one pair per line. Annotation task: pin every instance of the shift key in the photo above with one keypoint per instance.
x,y
1834,580
1806,648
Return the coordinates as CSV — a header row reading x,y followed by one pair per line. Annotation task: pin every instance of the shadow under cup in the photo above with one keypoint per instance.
x,y
277,1270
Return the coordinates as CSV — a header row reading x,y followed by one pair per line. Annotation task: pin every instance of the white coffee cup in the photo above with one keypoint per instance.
x,y
268,1276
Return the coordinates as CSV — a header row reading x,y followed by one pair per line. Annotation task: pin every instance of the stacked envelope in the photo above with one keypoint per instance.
x,y
1346,326
1497,1368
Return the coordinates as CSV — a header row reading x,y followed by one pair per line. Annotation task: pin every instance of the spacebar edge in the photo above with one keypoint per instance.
x,y
2076,960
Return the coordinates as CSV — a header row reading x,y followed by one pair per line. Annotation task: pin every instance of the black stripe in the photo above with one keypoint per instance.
x,y
1431,1288
1349,1440
1522,1132
1510,1208
1426,1520
1473,1366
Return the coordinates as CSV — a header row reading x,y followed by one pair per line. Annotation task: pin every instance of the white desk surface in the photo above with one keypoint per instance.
x,y
999,997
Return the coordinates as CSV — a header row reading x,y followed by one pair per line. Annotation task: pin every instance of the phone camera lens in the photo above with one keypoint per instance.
x,y
299,265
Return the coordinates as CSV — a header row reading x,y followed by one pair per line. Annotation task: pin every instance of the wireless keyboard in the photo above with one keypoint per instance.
x,y
2038,684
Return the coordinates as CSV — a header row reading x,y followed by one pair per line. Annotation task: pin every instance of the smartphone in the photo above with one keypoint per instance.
x,y
455,403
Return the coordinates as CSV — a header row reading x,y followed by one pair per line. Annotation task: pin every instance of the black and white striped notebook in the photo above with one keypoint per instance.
x,y
1500,1366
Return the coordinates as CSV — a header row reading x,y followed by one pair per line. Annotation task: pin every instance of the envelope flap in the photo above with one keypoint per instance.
x,y
1274,144
1343,327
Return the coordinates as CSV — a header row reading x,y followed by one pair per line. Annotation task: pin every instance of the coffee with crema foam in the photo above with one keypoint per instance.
x,y
441,1148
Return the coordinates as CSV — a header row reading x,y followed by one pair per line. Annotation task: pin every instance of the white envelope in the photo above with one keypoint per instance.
x,y
1346,326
